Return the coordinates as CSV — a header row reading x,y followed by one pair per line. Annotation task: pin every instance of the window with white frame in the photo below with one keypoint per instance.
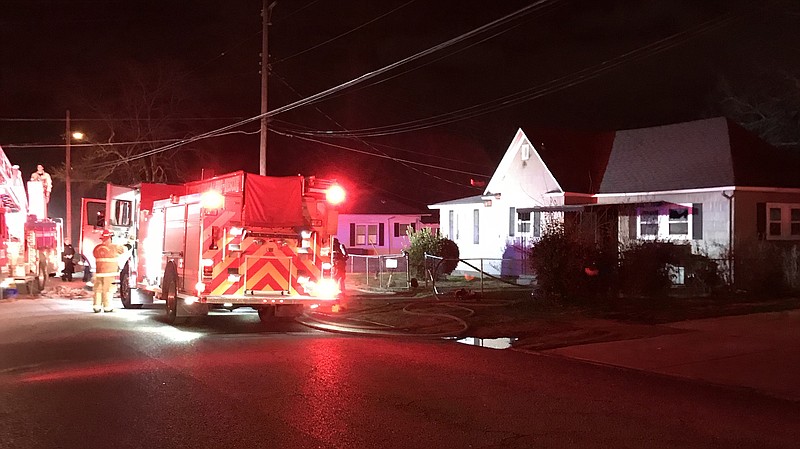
x,y
524,222
529,224
783,221
366,234
669,222
648,223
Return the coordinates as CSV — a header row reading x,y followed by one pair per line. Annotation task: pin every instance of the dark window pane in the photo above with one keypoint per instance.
x,y
524,216
679,214
649,229
678,228
649,217
795,214
795,228
774,229
775,214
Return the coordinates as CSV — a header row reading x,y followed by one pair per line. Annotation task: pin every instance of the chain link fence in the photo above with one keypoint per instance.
x,y
384,272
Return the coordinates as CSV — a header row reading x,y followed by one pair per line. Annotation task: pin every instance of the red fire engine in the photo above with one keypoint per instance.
x,y
30,242
235,240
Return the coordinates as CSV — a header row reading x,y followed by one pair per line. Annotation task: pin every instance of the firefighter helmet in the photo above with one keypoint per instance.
x,y
106,234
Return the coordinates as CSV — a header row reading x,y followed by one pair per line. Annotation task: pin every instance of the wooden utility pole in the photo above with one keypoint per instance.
x,y
266,11
68,180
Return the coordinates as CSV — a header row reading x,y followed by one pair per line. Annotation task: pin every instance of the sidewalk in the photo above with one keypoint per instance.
x,y
758,351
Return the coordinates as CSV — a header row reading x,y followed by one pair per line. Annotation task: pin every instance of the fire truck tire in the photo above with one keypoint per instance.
x,y
267,314
125,289
170,295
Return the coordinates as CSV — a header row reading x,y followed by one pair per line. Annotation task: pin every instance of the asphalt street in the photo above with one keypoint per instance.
x,y
70,378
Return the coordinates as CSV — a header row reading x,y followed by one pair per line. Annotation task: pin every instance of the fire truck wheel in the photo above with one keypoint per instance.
x,y
267,314
170,294
125,289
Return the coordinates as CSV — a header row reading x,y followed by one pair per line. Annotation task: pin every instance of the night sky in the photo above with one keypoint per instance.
x,y
588,65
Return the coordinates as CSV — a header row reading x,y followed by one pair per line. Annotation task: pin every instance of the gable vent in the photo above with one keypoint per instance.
x,y
525,151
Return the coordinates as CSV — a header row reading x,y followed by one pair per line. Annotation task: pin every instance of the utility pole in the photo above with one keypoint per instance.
x,y
266,11
68,180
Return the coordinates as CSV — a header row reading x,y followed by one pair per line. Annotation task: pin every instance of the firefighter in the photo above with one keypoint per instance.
x,y
339,264
45,179
106,267
69,263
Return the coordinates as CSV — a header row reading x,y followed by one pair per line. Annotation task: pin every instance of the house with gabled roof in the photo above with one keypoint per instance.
x,y
371,224
707,184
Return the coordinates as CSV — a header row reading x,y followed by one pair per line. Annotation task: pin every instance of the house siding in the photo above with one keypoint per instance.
x,y
386,243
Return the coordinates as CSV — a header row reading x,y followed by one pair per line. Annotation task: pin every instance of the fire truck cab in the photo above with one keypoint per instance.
x,y
235,240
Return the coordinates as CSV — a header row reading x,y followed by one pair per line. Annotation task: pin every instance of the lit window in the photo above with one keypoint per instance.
x,y
372,234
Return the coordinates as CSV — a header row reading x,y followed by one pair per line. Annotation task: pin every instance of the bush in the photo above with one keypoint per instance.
x,y
644,268
570,266
425,241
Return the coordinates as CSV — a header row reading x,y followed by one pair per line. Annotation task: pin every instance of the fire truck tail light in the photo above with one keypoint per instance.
x,y
200,287
234,277
326,265
235,231
305,234
208,262
190,301
335,194
302,280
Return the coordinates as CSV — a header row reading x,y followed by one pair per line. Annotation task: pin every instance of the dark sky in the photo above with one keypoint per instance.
x,y
584,64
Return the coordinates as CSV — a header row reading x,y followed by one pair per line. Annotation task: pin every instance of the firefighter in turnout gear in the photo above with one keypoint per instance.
x,y
105,254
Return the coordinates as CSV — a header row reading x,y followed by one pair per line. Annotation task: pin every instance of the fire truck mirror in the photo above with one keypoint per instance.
x,y
100,220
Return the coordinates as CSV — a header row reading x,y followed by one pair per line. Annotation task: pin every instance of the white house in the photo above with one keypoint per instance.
x,y
709,184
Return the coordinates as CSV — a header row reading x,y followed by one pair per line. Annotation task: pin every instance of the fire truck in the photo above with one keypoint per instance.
x,y
235,240
30,243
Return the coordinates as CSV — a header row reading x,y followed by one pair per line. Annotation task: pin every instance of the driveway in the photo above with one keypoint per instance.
x,y
759,351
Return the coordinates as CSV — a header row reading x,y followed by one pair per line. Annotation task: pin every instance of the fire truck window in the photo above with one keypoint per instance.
x,y
122,213
100,220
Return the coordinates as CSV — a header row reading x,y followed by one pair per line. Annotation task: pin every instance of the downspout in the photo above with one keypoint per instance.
x,y
730,234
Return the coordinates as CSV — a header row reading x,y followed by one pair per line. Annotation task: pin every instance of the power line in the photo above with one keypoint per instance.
x,y
327,93
343,34
540,90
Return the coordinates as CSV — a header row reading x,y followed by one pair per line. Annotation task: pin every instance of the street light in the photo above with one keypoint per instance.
x,y
69,135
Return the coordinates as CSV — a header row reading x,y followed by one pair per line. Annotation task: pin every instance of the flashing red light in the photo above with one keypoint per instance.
x,y
335,194
212,200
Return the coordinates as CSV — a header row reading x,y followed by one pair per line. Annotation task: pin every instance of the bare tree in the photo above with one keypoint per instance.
x,y
770,108
140,113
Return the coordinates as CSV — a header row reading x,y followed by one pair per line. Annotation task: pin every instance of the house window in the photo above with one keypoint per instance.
x,y
648,223
524,222
476,230
775,221
403,229
451,224
366,234
783,221
679,221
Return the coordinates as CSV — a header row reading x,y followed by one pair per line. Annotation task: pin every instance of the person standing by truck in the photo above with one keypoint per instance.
x,y
106,268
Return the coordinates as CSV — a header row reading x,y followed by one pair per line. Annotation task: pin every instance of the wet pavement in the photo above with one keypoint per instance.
x,y
758,351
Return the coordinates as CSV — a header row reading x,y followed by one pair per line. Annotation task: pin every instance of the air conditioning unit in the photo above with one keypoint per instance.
x,y
525,151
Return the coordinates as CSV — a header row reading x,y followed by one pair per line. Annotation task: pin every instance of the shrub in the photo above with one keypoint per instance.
x,y
425,241
568,265
644,268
